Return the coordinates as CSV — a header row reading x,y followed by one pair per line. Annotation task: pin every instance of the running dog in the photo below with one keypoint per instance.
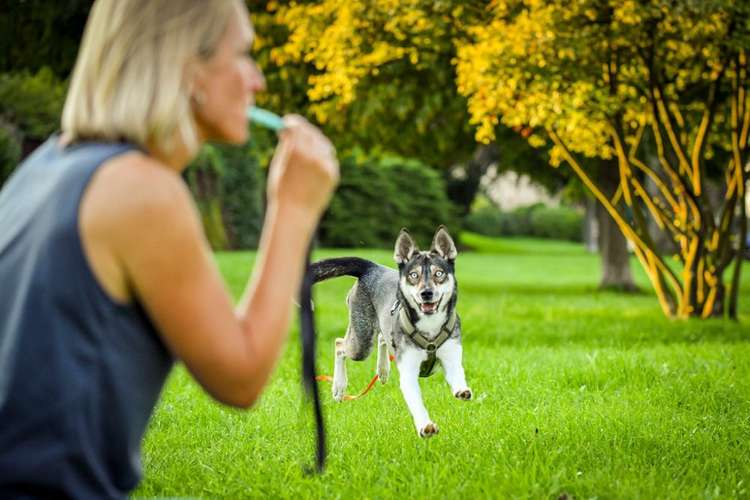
x,y
413,313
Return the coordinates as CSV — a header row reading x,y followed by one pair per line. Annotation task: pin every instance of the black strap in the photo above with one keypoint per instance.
x,y
307,334
425,369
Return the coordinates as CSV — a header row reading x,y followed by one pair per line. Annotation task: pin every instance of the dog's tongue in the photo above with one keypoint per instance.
x,y
429,308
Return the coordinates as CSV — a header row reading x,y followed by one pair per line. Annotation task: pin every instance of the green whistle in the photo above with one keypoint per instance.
x,y
265,118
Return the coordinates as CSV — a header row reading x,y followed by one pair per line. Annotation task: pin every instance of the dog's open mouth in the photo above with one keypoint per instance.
x,y
428,307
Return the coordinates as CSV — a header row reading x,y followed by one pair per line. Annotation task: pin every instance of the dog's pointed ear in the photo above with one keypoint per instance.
x,y
442,244
405,247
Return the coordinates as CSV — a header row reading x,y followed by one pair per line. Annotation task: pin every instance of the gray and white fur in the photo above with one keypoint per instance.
x,y
412,313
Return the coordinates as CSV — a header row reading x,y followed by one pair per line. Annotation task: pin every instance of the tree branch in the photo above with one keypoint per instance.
x,y
628,230
700,138
726,219
737,102
744,107
667,119
656,178
685,196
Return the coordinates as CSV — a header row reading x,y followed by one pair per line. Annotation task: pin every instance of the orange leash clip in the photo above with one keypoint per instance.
x,y
349,397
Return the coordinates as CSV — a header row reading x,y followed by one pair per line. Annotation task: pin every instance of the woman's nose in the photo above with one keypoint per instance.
x,y
257,82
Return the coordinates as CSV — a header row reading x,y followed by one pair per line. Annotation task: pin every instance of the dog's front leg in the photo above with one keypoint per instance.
x,y
450,355
408,368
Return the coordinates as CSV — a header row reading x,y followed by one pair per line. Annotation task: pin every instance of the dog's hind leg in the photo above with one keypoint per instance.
x,y
384,363
339,371
357,343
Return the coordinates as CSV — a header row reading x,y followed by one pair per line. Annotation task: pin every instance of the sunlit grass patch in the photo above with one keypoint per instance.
x,y
578,392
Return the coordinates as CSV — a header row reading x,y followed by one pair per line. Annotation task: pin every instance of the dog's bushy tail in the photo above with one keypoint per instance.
x,y
342,266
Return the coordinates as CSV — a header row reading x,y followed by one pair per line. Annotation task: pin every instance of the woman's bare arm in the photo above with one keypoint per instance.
x,y
156,237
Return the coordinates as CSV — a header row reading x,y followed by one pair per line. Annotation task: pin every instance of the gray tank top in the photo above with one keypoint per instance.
x,y
79,373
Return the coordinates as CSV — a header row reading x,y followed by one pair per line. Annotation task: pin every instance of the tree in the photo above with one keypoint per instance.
x,y
370,65
377,77
384,75
624,81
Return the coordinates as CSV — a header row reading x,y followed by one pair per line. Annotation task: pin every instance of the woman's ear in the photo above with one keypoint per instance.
x,y
195,74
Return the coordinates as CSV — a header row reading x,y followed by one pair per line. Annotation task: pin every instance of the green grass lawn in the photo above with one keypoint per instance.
x,y
577,392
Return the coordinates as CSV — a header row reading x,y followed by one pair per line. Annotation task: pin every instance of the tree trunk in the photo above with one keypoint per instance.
x,y
616,272
613,247
462,181
591,225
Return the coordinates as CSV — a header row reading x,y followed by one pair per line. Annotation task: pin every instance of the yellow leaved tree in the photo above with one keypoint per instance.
x,y
660,88
650,93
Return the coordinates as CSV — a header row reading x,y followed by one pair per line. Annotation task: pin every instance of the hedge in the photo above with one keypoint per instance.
x,y
378,196
561,223
228,187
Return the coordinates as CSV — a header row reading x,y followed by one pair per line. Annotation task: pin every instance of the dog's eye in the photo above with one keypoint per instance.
x,y
439,273
413,275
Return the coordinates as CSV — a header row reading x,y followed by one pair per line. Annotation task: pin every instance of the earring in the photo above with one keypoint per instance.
x,y
199,97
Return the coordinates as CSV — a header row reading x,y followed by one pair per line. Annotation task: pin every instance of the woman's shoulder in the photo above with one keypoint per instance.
x,y
135,208
135,196
136,184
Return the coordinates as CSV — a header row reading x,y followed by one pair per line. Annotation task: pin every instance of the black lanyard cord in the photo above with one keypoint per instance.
x,y
272,121
309,382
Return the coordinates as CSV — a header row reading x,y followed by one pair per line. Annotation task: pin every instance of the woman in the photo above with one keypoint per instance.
x,y
106,274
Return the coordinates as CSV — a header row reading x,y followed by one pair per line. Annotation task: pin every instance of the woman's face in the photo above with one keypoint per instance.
x,y
225,85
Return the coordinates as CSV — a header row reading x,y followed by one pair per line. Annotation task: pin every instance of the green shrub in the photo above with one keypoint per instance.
x,y
376,197
560,223
518,222
228,188
244,190
493,222
10,151
32,102
488,221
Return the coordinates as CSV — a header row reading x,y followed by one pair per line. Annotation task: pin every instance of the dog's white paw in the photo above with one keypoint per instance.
x,y
464,394
428,430
383,373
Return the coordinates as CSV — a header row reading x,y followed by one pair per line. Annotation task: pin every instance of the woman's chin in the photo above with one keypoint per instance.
x,y
236,136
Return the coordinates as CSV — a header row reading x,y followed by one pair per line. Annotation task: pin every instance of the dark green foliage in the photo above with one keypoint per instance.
x,y
10,151
204,176
228,188
244,184
39,33
491,221
560,223
378,196
488,221
32,102
358,213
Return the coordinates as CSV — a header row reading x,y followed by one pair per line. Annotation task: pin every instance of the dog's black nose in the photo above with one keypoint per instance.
x,y
426,295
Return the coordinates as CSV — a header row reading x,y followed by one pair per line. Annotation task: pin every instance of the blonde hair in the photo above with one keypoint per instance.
x,y
131,81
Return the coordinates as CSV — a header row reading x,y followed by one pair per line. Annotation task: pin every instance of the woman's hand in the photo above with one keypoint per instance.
x,y
304,170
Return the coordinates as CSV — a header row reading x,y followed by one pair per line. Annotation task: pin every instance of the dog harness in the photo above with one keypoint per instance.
x,y
429,345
